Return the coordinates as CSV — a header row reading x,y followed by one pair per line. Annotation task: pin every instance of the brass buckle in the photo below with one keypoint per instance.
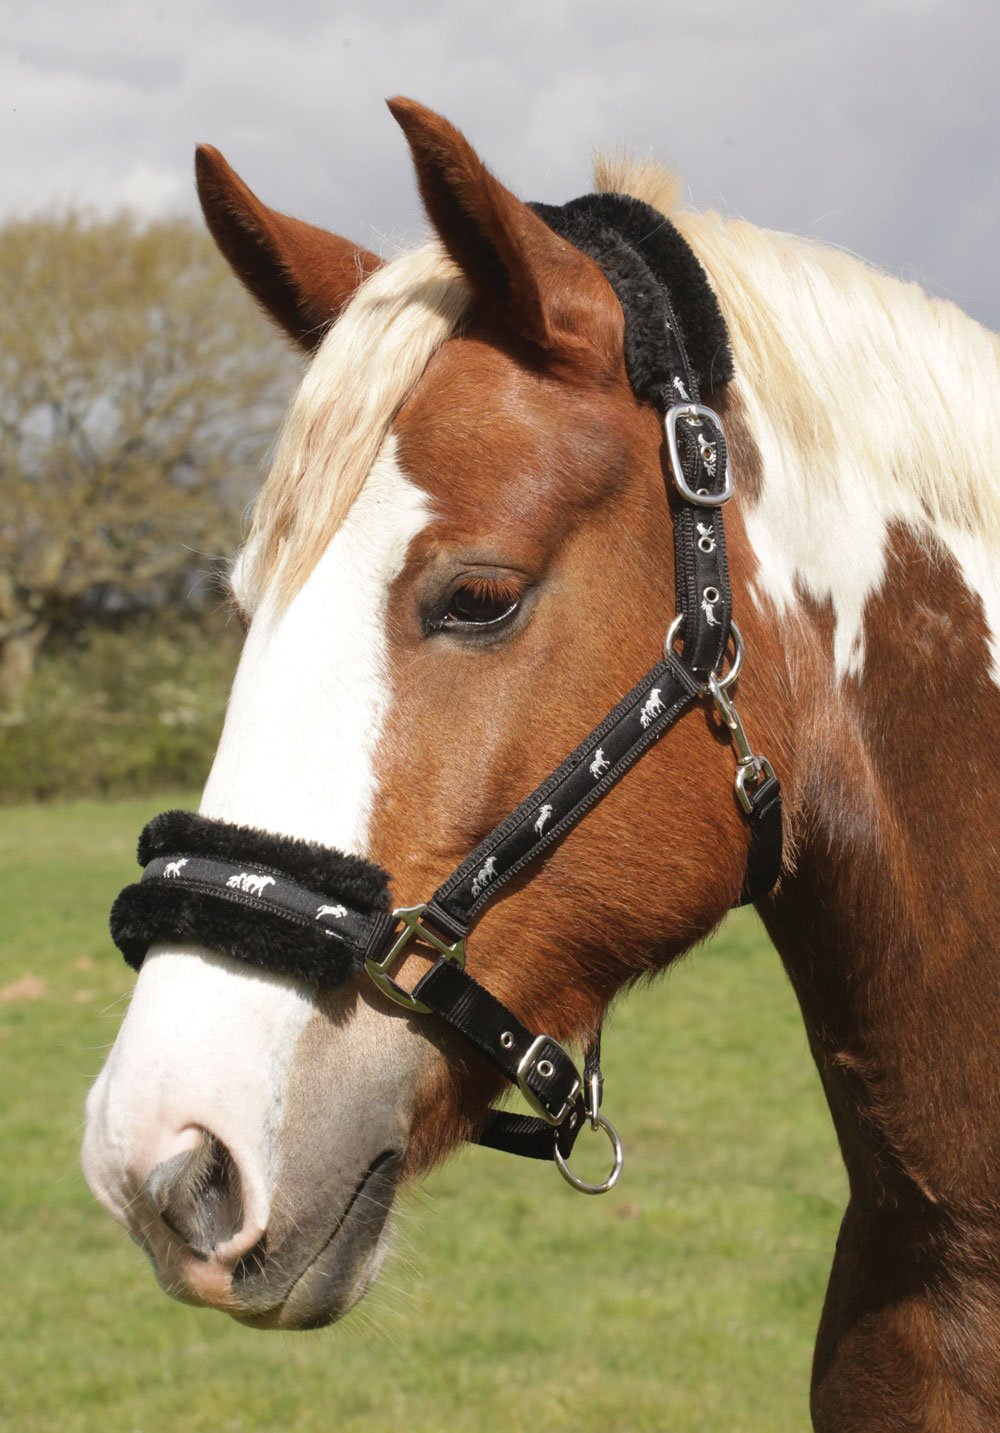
x,y
413,929
527,1062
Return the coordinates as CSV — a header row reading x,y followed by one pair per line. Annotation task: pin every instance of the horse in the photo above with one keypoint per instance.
x,y
458,563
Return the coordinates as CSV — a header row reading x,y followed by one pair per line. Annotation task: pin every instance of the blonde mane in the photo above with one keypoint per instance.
x,y
855,374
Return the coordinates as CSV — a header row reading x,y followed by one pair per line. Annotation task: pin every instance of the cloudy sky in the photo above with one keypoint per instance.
x,y
870,123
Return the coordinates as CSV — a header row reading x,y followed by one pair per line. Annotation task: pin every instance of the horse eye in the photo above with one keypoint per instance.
x,y
480,604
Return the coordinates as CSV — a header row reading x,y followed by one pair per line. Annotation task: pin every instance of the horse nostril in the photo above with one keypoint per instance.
x,y
198,1195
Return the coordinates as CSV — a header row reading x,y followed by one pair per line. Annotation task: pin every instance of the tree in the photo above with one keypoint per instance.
x,y
139,389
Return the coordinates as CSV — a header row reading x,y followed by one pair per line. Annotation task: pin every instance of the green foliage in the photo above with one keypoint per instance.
x,y
139,390
686,1300
121,711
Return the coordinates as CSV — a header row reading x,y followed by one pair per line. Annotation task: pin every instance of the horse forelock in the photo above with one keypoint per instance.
x,y
364,369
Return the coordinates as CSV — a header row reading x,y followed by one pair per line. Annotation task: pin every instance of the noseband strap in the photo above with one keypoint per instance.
x,y
307,911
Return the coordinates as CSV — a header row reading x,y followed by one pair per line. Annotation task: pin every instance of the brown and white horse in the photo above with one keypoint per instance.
x,y
459,563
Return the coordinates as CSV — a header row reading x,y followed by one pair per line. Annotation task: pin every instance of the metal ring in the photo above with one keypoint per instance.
x,y
671,637
711,595
734,670
616,1169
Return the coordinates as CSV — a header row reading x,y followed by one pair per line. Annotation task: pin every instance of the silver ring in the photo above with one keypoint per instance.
x,y
671,637
734,670
613,1176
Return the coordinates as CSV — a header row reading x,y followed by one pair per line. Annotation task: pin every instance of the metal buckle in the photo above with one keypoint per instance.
x,y
526,1062
413,929
695,413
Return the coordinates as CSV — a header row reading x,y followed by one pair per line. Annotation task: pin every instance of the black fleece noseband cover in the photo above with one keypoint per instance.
x,y
289,906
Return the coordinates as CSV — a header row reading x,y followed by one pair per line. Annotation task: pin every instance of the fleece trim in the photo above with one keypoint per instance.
x,y
652,269
272,901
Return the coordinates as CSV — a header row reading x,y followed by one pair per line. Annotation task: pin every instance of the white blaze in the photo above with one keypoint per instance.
x,y
207,1041
312,689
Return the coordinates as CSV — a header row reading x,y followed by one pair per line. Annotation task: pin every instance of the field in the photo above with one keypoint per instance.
x,y
686,1300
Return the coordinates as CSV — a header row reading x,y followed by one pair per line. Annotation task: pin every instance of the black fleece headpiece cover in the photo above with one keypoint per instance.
x,y
651,268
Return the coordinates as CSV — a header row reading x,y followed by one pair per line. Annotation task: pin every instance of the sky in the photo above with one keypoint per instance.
x,y
871,124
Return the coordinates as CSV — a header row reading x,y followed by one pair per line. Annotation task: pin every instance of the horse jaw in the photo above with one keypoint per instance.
x,y
309,1096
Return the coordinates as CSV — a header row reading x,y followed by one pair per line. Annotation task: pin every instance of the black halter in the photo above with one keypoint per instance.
x,y
305,910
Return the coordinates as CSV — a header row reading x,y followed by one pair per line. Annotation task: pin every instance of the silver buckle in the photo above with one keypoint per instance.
x,y
526,1062
413,929
693,413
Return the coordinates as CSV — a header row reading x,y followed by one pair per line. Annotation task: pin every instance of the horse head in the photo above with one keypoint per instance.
x,y
460,561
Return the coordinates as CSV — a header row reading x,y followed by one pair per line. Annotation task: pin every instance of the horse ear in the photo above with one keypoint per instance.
x,y
523,275
302,276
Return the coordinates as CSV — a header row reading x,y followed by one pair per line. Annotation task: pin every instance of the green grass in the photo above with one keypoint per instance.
x,y
686,1299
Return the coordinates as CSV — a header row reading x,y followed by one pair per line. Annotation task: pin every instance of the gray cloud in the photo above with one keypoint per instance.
x,y
870,124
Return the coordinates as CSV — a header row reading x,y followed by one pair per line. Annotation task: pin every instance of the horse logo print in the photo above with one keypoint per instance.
x,y
173,868
484,876
709,610
252,884
599,764
706,537
544,812
651,708
331,911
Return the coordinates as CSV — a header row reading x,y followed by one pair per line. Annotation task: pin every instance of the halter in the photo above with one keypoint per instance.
x,y
305,910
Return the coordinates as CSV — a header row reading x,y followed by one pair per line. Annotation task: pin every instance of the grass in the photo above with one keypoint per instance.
x,y
687,1299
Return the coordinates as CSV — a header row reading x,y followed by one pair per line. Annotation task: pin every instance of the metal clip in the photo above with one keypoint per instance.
x,y
595,1093
749,766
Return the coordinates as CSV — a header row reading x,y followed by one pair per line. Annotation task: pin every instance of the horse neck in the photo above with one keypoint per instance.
x,y
887,923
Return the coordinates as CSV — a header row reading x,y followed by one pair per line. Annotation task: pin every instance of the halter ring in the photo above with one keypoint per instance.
x,y
613,1175
734,670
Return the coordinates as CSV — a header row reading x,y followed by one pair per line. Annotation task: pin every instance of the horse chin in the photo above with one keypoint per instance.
x,y
327,1290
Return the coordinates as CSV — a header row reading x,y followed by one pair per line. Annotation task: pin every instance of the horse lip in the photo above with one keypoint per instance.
x,y
320,1292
